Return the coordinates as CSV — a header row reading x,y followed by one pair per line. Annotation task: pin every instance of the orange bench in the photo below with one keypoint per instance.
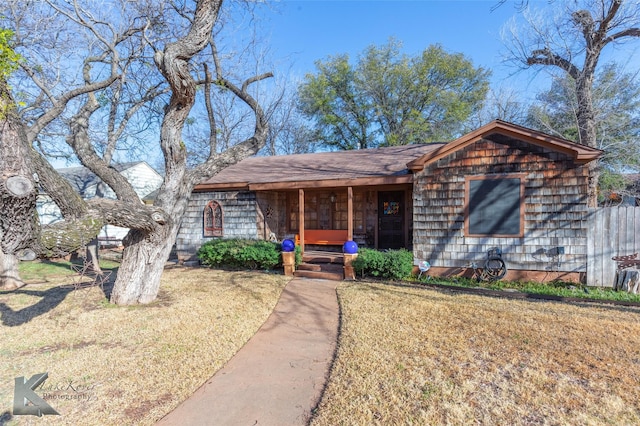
x,y
324,237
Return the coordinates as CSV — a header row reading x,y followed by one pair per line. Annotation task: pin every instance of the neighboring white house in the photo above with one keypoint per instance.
x,y
144,179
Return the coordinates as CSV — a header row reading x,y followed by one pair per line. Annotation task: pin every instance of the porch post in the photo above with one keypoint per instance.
x,y
301,218
350,213
408,201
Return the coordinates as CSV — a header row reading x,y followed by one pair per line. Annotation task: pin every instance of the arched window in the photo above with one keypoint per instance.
x,y
212,218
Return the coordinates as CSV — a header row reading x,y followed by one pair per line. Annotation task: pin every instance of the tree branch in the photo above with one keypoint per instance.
x,y
213,130
606,22
128,215
71,204
61,103
547,57
250,146
630,32
80,141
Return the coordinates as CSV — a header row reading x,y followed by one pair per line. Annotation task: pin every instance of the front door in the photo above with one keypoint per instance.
x,y
391,220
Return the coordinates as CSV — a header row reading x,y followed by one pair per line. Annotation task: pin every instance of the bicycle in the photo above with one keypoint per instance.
x,y
494,267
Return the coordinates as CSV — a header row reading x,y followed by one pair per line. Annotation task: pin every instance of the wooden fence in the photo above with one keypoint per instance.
x,y
612,231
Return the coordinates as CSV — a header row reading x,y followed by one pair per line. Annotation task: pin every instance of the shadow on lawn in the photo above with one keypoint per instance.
x,y
49,299
5,418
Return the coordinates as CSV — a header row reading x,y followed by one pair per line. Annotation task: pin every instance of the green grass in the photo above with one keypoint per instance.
x,y
42,270
558,289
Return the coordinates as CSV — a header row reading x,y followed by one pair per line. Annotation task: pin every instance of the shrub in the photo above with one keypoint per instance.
x,y
369,262
398,264
260,255
391,264
298,260
239,253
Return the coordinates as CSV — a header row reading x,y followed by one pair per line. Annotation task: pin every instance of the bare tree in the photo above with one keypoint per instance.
x,y
289,131
616,100
20,161
153,228
573,41
503,104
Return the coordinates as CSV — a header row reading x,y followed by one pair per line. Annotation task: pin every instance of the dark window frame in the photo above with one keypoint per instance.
x,y
213,219
470,206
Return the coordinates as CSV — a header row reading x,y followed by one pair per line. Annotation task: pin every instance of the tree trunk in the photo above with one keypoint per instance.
x,y
91,255
585,118
593,187
143,259
19,225
9,276
146,252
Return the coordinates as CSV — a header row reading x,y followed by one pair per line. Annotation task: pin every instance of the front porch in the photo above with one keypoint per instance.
x,y
325,199
325,218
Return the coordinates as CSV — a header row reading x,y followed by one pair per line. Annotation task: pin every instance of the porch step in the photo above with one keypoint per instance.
x,y
323,257
319,275
310,267
324,271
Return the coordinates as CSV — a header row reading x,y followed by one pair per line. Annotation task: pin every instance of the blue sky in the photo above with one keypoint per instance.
x,y
300,32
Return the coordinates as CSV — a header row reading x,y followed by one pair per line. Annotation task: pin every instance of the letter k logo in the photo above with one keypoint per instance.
x,y
24,392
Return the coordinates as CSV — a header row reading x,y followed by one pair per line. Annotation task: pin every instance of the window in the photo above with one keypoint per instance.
x,y
494,206
213,223
292,211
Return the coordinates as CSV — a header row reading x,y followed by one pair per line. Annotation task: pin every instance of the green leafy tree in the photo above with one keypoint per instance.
x,y
8,57
616,109
390,98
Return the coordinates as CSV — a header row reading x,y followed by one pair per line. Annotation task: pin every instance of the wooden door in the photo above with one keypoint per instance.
x,y
391,219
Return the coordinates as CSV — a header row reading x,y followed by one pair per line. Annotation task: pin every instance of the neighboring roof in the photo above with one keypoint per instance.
x,y
362,167
150,197
582,154
81,178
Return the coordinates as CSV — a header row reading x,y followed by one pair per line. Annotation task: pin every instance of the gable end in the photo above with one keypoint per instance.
x,y
579,153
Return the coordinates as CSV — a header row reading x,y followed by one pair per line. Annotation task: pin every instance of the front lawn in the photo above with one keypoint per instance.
x,y
40,270
111,365
424,356
406,355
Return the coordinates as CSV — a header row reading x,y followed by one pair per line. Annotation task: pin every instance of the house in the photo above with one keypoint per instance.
x,y
144,179
501,185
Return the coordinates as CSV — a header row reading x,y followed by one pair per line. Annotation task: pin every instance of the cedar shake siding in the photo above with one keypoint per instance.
x,y
553,210
239,220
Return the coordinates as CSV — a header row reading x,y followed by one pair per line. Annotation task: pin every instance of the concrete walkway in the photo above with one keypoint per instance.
x,y
278,376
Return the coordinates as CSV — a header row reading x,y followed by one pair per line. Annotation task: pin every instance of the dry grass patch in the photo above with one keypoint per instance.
x,y
421,356
128,365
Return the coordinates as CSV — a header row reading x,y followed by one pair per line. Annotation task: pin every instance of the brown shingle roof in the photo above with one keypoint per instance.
x,y
581,154
380,166
322,169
